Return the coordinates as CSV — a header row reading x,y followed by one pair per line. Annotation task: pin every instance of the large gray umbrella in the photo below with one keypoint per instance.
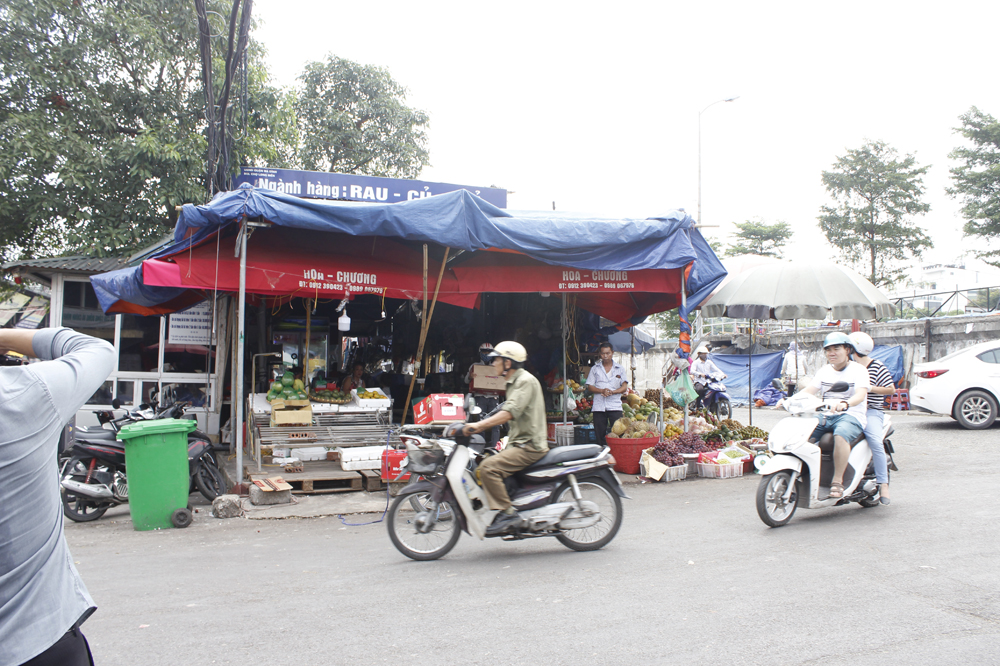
x,y
798,291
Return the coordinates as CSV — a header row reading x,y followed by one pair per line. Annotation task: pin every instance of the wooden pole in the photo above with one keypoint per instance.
x,y
425,325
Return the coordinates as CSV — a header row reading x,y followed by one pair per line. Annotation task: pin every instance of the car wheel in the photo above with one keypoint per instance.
x,y
975,410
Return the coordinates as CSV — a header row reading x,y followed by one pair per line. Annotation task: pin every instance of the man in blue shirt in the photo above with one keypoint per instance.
x,y
607,382
42,599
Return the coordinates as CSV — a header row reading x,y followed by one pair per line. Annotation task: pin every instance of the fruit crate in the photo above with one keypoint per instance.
x,y
676,473
371,403
713,471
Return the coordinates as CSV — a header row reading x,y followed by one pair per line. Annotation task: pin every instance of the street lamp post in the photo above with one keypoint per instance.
x,y
727,99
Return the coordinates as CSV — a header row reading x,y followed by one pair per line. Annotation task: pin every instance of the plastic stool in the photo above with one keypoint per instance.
x,y
902,398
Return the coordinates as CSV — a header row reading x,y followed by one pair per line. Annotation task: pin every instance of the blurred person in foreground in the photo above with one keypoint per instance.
x,y
43,601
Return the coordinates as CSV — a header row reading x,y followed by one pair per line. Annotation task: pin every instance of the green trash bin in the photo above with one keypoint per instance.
x,y
156,462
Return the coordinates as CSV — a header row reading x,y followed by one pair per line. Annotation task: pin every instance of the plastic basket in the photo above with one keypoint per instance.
x,y
677,473
565,435
713,471
627,452
584,434
692,463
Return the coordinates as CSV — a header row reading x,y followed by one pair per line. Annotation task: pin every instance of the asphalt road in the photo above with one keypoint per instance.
x,y
693,577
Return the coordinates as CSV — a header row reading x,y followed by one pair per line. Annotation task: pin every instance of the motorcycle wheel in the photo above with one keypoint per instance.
x,y
418,501
208,480
723,409
770,507
869,502
77,508
599,535
402,525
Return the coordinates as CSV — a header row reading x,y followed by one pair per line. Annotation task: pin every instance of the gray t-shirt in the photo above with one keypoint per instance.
x,y
41,593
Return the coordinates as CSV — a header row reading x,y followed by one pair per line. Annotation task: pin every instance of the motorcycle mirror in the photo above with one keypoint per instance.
x,y
470,406
116,403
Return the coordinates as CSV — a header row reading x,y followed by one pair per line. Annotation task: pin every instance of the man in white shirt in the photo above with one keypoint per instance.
x,y
849,421
703,370
607,383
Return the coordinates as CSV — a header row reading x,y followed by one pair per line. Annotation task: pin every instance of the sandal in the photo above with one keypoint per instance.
x,y
836,490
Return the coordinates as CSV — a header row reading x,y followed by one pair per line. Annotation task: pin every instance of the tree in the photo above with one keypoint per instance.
x,y
758,237
875,193
977,179
353,119
102,123
668,324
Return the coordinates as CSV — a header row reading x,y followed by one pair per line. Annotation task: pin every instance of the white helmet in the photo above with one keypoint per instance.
x,y
512,350
702,349
863,343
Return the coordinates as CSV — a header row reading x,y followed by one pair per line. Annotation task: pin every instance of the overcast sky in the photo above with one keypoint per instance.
x,y
595,106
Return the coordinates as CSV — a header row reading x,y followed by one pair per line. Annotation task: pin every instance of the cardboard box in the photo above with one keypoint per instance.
x,y
440,408
552,429
391,458
293,416
485,378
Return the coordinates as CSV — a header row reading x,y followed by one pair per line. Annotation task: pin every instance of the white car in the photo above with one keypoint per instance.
x,y
964,385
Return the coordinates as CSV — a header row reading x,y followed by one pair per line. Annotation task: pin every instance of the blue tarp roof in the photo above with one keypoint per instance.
x,y
458,220
737,366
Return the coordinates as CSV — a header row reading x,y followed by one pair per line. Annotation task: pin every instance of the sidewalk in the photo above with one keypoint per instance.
x,y
306,506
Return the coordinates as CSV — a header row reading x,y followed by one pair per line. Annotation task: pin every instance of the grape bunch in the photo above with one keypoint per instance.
x,y
667,453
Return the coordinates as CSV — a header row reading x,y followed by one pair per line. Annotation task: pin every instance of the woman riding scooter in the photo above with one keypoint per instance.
x,y
881,386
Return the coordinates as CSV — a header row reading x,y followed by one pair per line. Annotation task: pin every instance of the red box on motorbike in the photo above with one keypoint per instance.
x,y
390,464
440,408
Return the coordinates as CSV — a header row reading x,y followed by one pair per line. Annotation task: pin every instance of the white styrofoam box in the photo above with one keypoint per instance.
x,y
372,403
307,453
360,457
279,452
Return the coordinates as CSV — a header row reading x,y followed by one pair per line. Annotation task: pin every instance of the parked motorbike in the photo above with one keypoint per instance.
x,y
716,397
800,472
93,470
571,494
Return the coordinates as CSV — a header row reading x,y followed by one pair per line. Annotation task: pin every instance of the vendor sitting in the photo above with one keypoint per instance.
x,y
356,379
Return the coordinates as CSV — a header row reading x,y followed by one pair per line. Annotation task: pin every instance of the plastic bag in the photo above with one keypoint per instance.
x,y
681,389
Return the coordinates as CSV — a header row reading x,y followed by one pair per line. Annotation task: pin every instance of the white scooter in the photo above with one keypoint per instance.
x,y
572,494
800,472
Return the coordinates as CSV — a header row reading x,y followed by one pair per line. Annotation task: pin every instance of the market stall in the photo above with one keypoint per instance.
x,y
453,248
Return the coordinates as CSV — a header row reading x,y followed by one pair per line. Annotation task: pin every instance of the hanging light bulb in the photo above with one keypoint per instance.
x,y
344,322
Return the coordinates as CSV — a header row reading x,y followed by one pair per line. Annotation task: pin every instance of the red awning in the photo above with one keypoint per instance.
x,y
296,262
303,263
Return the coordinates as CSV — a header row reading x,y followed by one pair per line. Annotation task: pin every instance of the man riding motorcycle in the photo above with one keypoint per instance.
x,y
524,408
849,420
703,370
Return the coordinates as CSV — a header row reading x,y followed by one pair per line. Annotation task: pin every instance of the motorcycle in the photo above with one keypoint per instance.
x,y
92,472
800,472
716,397
571,494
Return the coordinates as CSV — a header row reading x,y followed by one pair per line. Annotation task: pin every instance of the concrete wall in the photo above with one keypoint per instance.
x,y
921,339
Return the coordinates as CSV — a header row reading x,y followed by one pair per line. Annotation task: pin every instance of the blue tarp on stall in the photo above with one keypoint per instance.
x,y
458,220
892,357
765,368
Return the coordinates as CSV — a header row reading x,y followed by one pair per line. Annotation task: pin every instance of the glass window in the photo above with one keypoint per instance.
x,y
126,392
102,396
140,344
150,392
82,313
989,356
196,394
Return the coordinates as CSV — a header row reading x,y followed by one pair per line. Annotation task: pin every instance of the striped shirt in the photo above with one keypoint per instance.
x,y
878,375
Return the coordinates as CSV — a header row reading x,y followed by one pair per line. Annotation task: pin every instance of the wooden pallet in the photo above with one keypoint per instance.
x,y
319,477
373,480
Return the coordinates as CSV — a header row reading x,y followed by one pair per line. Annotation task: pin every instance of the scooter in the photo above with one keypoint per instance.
x,y
716,398
571,493
92,472
800,472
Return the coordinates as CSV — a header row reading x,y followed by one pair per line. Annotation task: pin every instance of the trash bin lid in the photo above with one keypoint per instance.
x,y
156,427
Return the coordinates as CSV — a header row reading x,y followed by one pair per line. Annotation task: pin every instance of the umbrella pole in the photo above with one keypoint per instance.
x,y
796,354
750,372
